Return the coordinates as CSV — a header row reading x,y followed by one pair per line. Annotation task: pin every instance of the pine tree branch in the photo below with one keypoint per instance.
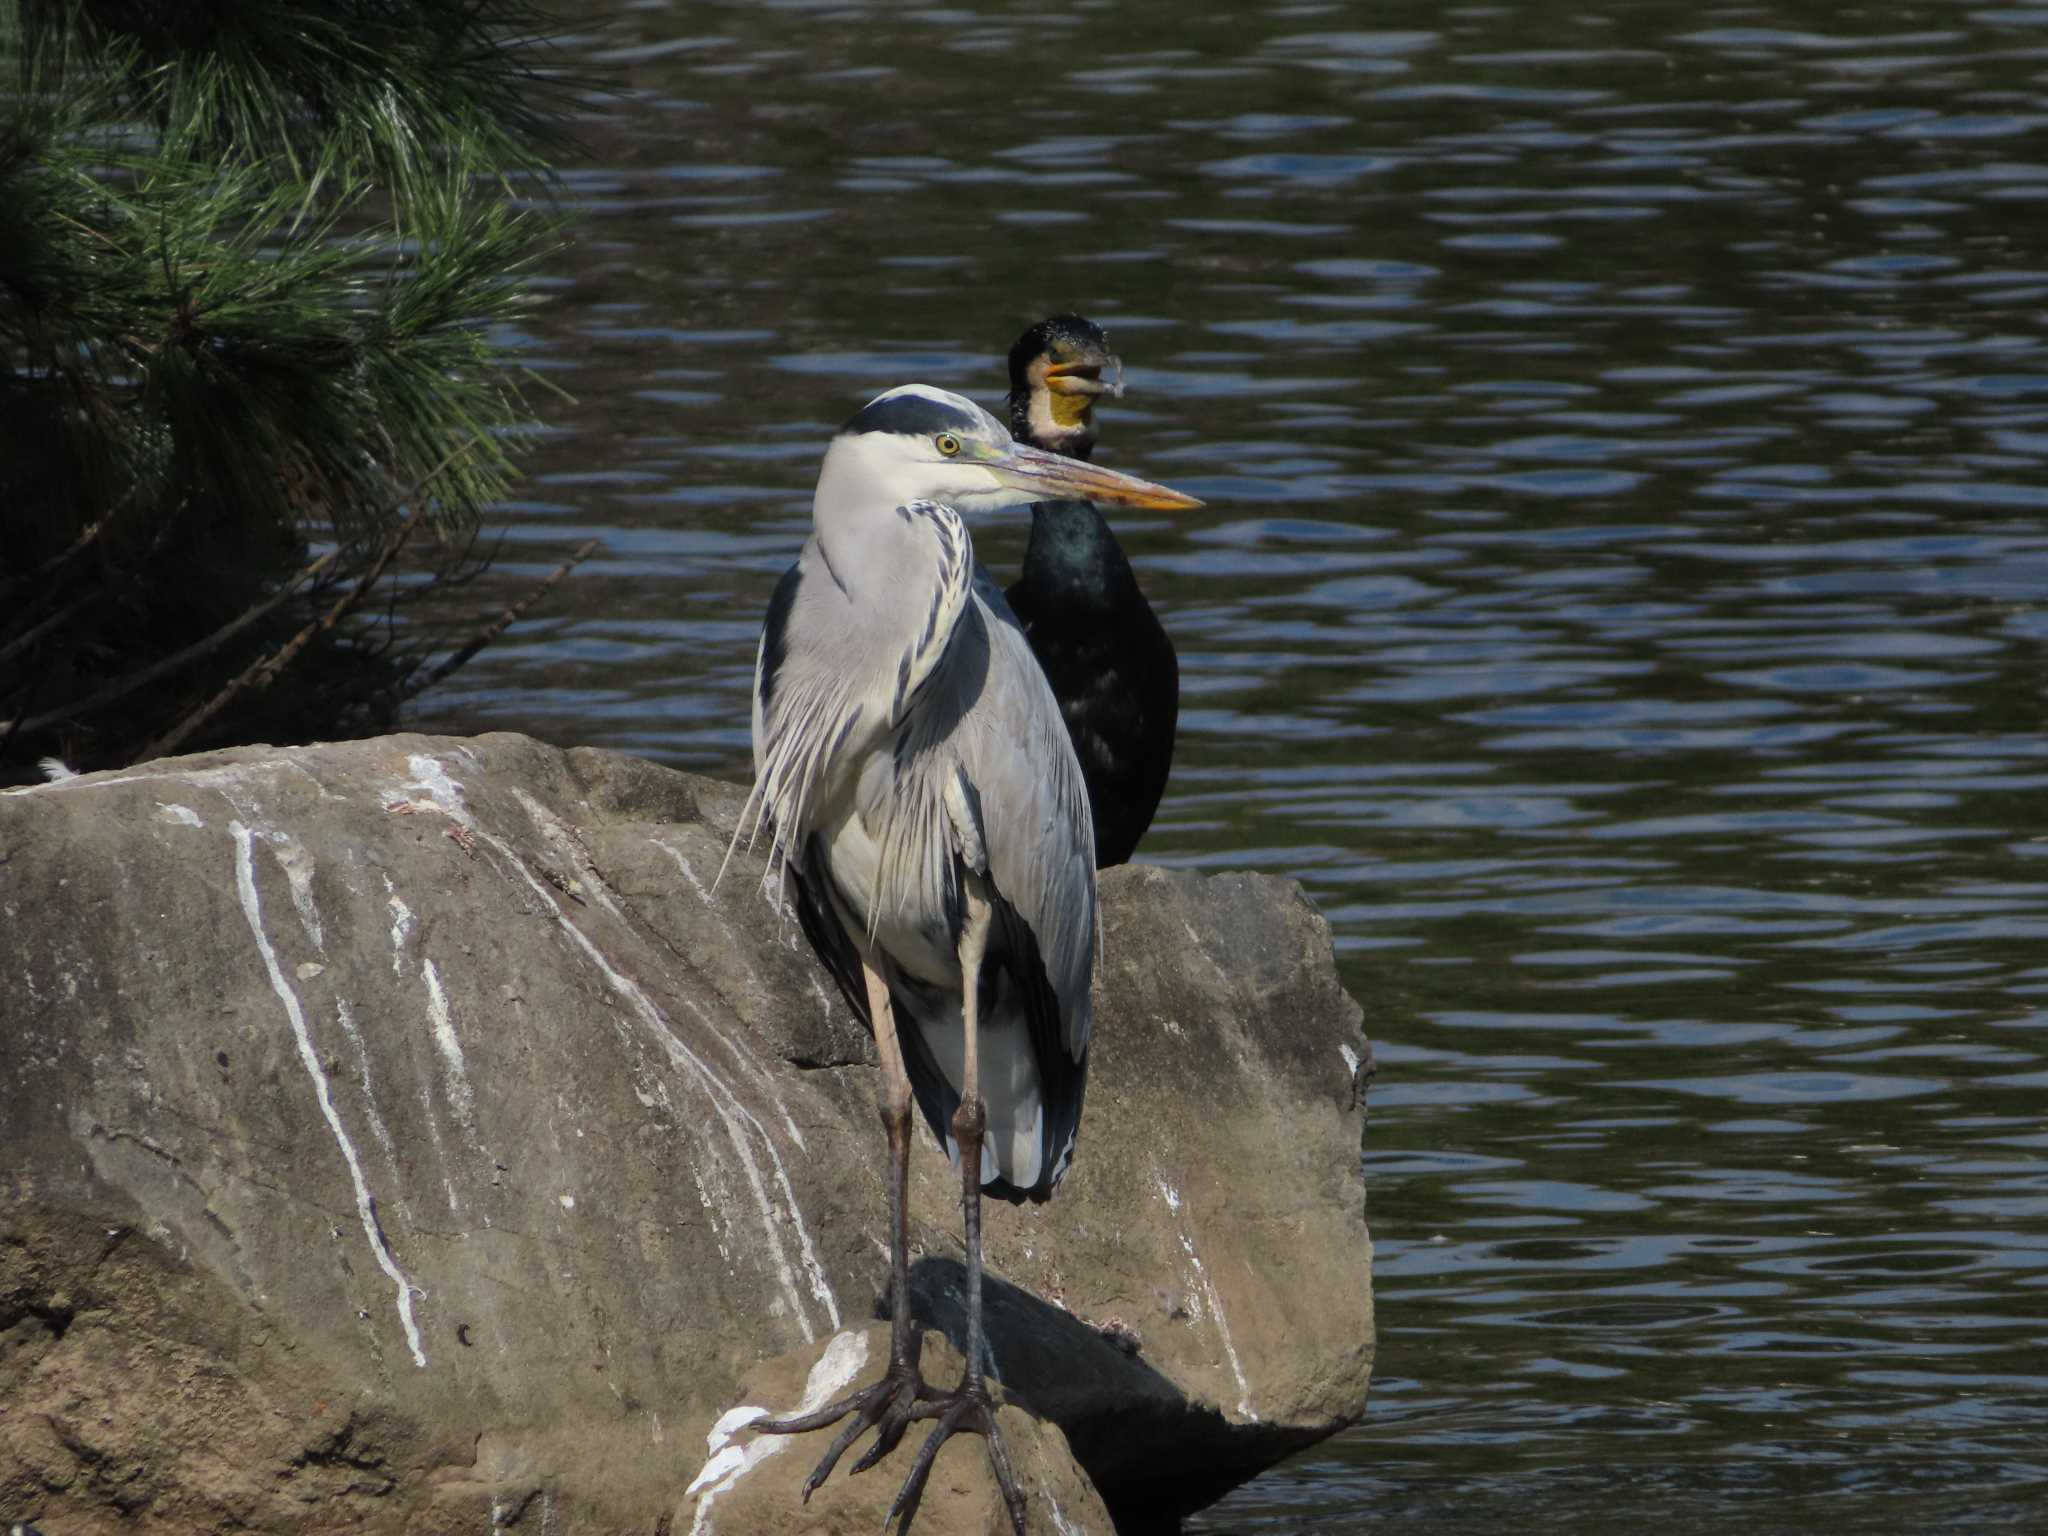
x,y
100,591
261,672
503,622
28,698
256,261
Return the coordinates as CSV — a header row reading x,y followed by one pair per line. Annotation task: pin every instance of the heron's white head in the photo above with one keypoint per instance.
x,y
917,443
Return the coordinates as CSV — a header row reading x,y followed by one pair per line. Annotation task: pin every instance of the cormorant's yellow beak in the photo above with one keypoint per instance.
x,y
1085,377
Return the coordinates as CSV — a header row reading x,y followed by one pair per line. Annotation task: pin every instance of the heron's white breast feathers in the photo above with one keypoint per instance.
x,y
797,744
916,878
869,625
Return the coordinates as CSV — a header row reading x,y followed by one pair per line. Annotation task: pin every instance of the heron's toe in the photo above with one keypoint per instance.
x,y
887,1406
967,1410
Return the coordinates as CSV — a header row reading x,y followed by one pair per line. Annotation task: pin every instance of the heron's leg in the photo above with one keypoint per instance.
x,y
894,1103
970,1123
970,1408
889,1405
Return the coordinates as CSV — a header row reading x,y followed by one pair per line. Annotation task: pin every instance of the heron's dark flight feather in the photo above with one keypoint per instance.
x,y
1012,967
775,632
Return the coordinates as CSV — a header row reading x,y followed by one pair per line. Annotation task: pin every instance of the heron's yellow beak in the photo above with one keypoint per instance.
x,y
1050,477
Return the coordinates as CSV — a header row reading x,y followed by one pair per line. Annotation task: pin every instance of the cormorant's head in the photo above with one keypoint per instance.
x,y
1057,369
917,443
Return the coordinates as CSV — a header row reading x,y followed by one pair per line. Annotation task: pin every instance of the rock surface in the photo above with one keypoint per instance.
x,y
417,1132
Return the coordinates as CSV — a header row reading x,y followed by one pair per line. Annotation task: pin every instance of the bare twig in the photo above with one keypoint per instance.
x,y
29,637
28,698
84,541
503,622
261,672
81,542
51,591
121,687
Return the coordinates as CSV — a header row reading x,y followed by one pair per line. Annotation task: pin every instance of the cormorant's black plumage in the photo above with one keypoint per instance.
x,y
1110,663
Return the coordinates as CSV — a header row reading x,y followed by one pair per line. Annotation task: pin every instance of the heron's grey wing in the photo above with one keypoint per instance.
x,y
1040,846
1040,836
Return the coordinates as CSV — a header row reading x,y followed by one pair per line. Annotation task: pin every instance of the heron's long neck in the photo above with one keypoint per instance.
x,y
882,590
856,515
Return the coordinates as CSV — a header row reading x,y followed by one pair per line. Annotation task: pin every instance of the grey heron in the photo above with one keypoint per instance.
x,y
1107,656
928,812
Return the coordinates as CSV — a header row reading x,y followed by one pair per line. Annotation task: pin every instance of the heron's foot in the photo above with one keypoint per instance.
x,y
888,1407
966,1411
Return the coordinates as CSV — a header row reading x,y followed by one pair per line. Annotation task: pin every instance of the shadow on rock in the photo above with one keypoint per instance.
x,y
1153,1454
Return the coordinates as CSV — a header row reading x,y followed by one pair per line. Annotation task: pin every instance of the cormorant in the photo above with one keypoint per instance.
x,y
1111,666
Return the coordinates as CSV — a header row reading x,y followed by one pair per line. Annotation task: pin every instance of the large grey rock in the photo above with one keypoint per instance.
x,y
415,1132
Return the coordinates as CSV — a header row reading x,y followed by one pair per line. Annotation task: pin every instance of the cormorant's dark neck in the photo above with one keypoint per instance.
x,y
1073,559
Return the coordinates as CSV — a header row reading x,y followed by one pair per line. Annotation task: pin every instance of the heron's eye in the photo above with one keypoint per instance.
x,y
947,444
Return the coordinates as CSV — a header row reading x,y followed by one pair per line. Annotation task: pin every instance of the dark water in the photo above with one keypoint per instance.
x,y
1620,601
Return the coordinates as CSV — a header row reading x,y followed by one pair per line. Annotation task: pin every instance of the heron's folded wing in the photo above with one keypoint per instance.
x,y
1037,828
